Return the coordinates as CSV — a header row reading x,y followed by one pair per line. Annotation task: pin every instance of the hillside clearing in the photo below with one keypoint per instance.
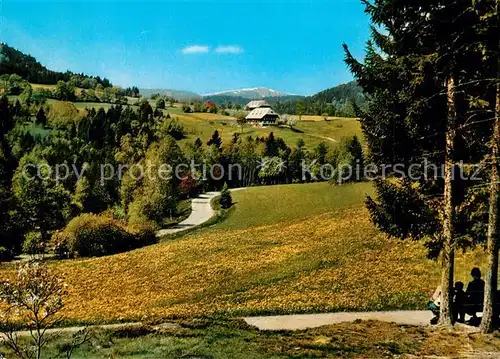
x,y
202,125
258,206
317,262
312,132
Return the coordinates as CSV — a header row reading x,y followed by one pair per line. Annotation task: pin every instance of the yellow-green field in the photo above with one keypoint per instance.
x,y
319,118
326,256
78,90
43,86
203,125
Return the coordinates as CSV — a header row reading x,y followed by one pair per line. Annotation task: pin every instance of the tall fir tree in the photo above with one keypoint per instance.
x,y
416,75
41,118
489,30
215,140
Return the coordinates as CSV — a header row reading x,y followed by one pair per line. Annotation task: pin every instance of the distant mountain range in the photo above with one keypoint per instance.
x,y
335,101
180,95
242,96
250,93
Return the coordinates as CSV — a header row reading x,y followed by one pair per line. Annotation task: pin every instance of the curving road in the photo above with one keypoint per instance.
x,y
304,321
201,211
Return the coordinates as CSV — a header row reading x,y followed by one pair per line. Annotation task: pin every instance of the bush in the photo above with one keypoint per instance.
x,y
347,160
133,331
90,235
5,254
143,234
60,245
33,243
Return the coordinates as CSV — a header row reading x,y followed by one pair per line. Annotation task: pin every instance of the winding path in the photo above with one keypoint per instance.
x,y
323,137
304,321
201,212
297,321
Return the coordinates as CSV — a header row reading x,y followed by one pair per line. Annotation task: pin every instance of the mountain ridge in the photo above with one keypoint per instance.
x,y
181,95
250,93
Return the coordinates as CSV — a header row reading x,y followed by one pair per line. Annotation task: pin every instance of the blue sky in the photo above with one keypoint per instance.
x,y
201,46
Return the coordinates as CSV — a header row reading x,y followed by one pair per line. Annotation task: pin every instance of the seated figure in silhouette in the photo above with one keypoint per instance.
x,y
458,302
458,299
434,305
474,296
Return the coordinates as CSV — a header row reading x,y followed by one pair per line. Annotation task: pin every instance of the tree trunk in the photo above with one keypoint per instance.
x,y
490,312
448,254
490,290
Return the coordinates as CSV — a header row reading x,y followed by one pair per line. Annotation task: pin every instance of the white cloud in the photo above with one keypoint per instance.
x,y
195,49
232,49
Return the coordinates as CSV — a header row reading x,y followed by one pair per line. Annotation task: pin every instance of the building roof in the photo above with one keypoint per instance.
x,y
257,104
260,113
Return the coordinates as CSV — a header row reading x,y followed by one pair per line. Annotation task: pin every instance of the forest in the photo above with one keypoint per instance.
x,y
37,203
13,61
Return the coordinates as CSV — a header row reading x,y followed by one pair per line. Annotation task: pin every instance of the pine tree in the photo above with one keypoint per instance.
x,y
226,200
215,140
416,111
41,119
491,29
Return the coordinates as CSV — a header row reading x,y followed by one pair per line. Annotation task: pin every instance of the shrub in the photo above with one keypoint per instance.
x,y
144,234
160,103
226,200
90,235
60,245
5,254
172,128
133,331
33,243
347,159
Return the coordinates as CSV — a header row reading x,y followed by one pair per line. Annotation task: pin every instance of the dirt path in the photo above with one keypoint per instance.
x,y
201,211
304,321
324,138
70,330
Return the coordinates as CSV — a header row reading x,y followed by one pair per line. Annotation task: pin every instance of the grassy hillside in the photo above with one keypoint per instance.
x,y
312,129
202,125
325,257
258,206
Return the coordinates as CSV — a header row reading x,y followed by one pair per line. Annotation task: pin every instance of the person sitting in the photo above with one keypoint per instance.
x,y
474,296
434,305
458,302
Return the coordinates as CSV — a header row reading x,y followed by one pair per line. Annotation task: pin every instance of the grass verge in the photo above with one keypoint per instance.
x,y
234,339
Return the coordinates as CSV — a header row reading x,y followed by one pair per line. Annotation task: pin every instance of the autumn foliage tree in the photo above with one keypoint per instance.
x,y
34,297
